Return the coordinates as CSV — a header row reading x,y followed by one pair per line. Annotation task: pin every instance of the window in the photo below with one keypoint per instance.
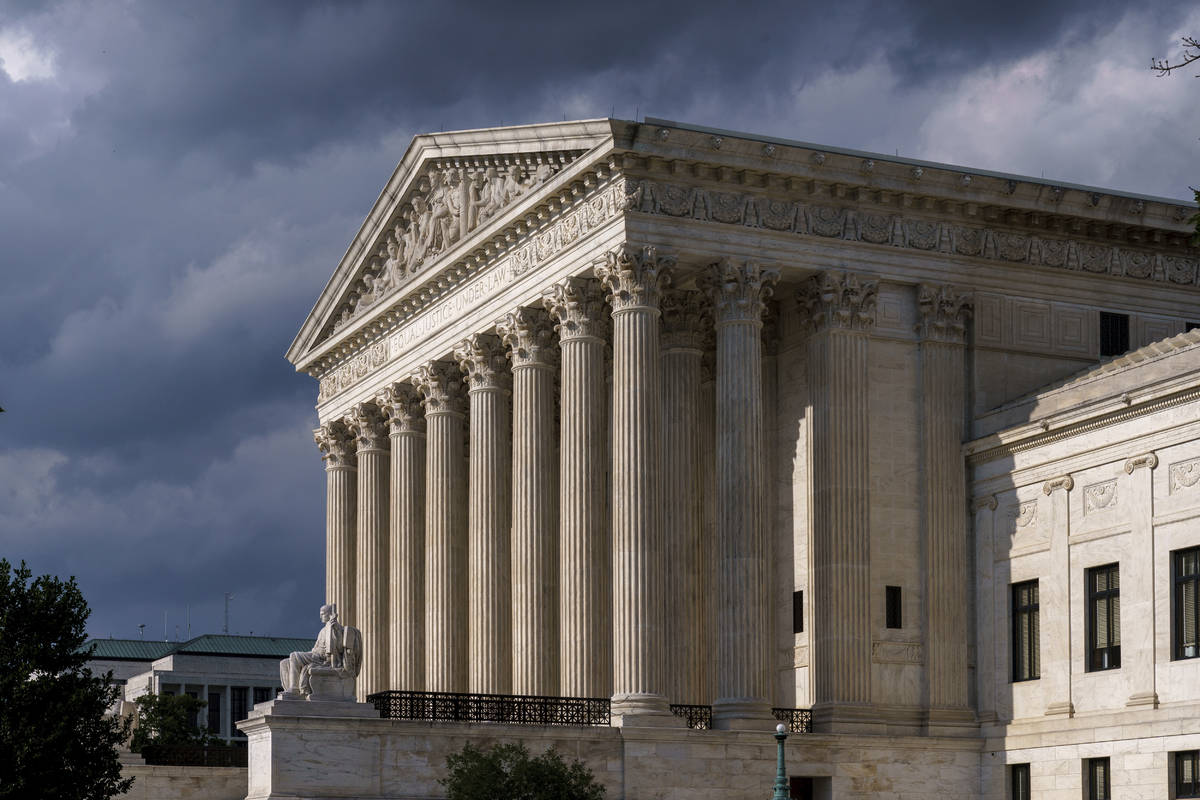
x,y
1018,780
214,712
1187,779
1185,569
892,607
1114,333
261,694
1190,326
1025,639
1104,618
238,705
1097,779
798,611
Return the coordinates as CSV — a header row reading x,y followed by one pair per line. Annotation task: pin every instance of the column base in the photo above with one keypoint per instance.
x,y
742,714
847,718
952,722
1143,699
642,710
1063,707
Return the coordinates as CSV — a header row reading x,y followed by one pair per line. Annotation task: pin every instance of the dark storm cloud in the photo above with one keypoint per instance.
x,y
173,199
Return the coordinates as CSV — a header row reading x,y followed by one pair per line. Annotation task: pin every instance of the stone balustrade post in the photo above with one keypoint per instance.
x,y
341,510
585,553
738,291
446,586
481,358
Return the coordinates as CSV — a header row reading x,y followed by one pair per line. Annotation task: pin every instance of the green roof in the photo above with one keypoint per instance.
x,y
209,644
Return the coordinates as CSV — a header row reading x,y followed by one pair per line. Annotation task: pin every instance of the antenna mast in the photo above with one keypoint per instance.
x,y
228,597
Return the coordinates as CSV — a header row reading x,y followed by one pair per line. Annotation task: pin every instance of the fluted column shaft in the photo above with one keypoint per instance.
x,y
406,518
943,313
530,339
446,588
841,309
737,291
481,357
341,511
686,675
371,594
585,555
634,280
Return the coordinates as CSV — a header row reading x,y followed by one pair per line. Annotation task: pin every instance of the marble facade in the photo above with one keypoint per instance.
x,y
598,398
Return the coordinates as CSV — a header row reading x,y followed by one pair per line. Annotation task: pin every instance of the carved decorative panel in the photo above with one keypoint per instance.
x,y
1184,475
1099,496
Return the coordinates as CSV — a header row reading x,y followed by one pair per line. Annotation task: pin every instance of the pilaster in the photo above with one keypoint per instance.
x,y
634,280
1137,594
528,333
401,404
988,679
1054,598
481,358
446,588
371,595
840,307
585,552
737,291
341,510
943,312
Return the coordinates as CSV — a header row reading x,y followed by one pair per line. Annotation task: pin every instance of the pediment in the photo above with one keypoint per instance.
x,y
448,188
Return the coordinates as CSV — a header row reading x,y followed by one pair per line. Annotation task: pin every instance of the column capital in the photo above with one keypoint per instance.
x,y
1148,460
369,427
577,307
738,289
1063,482
944,311
528,333
336,444
401,406
836,299
634,277
481,358
441,384
685,321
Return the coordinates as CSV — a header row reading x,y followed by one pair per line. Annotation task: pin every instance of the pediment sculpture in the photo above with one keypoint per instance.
x,y
447,204
328,671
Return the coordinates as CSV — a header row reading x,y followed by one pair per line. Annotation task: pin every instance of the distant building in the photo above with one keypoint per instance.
x,y
231,673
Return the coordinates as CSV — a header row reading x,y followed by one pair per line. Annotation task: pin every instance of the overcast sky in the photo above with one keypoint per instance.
x,y
179,180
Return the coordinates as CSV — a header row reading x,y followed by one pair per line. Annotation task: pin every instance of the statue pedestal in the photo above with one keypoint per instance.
x,y
328,686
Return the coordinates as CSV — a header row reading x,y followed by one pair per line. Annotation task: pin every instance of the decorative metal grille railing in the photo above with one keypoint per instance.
x,y
186,755
697,717
798,720
503,708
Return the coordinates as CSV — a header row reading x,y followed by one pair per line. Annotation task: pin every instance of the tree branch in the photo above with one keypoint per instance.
x,y
1191,52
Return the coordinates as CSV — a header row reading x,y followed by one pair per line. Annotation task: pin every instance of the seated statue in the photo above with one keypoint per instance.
x,y
326,672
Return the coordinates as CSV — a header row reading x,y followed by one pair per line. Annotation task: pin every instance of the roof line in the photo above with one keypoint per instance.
x,y
913,161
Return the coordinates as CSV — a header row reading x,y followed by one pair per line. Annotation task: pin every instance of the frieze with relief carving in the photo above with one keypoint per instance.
x,y
752,210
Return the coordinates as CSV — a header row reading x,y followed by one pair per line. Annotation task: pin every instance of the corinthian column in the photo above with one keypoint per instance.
x,y
942,328
401,405
634,280
684,321
481,357
841,310
530,339
585,555
445,528
341,502
371,595
738,291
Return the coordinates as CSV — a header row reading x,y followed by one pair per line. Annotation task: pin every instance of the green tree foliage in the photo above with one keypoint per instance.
x,y
168,719
506,772
55,740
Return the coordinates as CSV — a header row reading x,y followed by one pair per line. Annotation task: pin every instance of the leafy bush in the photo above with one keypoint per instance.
x,y
168,719
506,772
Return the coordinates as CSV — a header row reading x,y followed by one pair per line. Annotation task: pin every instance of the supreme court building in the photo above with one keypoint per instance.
x,y
722,429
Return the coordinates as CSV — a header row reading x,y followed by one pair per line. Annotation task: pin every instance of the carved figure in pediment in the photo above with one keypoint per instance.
x,y
416,244
491,194
514,186
393,267
436,225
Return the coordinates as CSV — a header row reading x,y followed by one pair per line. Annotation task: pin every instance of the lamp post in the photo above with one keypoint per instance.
x,y
781,781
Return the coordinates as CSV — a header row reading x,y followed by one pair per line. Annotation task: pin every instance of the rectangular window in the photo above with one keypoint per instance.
x,y
1025,635
1018,779
1098,787
1104,618
238,704
214,712
1185,570
893,607
1114,334
261,694
1187,781
798,611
